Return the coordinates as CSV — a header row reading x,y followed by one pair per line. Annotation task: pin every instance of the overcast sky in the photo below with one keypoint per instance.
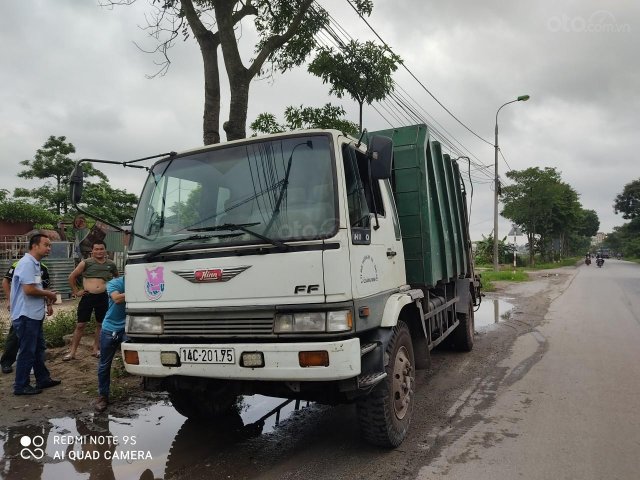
x,y
70,67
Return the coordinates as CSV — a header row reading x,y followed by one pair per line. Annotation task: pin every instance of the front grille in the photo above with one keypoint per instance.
x,y
219,324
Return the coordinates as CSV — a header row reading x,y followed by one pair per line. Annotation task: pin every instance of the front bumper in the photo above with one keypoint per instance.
x,y
281,361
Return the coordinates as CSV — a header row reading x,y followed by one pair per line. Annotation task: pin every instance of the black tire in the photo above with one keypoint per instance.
x,y
208,403
462,336
385,414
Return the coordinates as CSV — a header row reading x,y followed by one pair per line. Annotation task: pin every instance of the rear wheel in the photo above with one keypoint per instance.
x,y
385,414
462,336
202,402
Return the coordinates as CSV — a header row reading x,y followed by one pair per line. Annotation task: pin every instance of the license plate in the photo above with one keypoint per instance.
x,y
207,355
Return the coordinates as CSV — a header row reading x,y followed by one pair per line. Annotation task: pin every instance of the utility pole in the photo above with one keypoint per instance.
x,y
521,98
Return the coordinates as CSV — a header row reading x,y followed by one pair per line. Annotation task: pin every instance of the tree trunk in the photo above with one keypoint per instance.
x,y
239,77
360,104
209,43
211,116
531,247
236,126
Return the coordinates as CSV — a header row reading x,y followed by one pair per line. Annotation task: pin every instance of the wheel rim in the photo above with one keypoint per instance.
x,y
402,383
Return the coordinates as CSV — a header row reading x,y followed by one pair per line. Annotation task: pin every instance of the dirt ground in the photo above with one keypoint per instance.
x,y
78,390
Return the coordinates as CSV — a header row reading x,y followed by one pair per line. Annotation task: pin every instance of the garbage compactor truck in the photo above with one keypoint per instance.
x,y
307,265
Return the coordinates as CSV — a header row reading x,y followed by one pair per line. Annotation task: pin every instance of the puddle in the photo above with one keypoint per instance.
x,y
156,442
492,310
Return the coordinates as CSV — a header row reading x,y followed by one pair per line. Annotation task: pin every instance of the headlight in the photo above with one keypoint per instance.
x,y
340,321
148,324
309,322
300,322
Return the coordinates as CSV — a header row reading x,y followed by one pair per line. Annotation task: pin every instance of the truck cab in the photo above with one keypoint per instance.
x,y
276,265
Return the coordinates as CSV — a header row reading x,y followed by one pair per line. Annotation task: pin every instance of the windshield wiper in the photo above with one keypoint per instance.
x,y
243,228
285,185
154,253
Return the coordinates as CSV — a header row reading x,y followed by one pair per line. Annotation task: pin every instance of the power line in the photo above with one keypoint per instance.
x,y
505,160
405,111
404,107
416,78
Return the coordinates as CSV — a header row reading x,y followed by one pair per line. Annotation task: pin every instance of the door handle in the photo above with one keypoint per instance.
x,y
391,253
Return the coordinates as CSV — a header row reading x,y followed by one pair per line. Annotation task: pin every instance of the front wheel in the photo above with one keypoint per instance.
x,y
385,414
206,402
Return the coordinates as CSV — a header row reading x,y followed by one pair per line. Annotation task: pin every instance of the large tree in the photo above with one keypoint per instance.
x,y
363,70
286,36
628,202
12,210
626,238
542,205
53,164
589,223
328,116
114,205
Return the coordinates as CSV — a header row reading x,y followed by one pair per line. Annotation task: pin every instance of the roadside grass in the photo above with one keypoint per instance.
x,y
565,262
519,274
490,276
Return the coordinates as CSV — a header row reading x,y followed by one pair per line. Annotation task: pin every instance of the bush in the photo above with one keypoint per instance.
x,y
56,327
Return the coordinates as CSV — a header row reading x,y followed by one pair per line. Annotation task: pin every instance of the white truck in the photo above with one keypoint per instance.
x,y
302,265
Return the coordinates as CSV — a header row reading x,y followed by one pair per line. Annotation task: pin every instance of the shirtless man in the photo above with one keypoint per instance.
x,y
96,271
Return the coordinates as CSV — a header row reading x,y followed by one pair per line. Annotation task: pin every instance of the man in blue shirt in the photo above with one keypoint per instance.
x,y
28,306
111,337
11,344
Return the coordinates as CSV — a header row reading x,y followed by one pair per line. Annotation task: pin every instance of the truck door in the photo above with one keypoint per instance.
x,y
377,259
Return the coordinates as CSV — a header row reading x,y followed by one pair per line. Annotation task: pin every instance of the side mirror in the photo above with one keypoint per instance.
x,y
380,153
76,181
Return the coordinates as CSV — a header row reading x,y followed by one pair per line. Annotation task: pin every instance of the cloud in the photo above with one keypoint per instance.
x,y
72,68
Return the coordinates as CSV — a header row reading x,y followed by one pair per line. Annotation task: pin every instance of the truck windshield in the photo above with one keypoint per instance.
x,y
283,188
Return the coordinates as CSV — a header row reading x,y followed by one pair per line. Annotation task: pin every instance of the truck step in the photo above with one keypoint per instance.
x,y
366,381
368,347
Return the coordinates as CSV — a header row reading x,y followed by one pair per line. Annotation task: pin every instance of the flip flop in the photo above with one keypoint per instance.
x,y
68,357
96,355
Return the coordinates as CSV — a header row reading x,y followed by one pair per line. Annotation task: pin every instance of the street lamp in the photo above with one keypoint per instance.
x,y
521,98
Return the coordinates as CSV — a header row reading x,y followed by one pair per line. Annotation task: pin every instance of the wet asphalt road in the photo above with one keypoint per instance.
x,y
573,410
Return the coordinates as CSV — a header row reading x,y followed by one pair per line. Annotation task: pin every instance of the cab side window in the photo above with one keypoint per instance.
x,y
359,213
359,185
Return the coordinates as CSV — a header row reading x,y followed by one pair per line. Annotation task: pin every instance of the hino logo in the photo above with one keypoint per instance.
x,y
210,275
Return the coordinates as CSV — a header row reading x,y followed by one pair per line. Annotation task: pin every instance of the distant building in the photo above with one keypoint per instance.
x,y
598,239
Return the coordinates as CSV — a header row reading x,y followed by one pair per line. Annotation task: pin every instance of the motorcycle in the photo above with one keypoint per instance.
x,y
587,261
599,262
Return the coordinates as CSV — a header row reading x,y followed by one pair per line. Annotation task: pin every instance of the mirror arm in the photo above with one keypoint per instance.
x,y
89,214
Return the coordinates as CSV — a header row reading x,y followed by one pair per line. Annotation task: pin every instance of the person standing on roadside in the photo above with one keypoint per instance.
x,y
11,343
28,305
110,339
80,232
96,271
